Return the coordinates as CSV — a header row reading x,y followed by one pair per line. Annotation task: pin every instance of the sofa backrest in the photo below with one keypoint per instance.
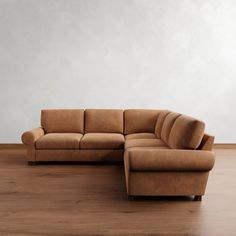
x,y
104,121
160,121
167,125
140,120
186,133
176,130
63,120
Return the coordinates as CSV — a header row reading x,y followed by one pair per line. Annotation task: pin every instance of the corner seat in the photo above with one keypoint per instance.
x,y
155,142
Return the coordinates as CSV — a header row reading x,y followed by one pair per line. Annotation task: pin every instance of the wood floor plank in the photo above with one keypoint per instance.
x,y
56,200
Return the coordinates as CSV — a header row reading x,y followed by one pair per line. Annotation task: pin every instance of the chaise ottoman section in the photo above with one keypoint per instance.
x,y
167,172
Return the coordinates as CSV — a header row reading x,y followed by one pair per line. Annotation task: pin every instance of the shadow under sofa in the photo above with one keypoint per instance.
x,y
164,153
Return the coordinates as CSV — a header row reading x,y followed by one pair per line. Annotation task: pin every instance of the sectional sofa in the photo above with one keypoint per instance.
x,y
164,153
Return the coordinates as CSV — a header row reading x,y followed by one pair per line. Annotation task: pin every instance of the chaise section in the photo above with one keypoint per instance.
x,y
158,172
102,141
180,168
167,183
59,141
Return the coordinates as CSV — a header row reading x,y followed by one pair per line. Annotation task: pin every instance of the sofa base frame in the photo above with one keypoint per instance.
x,y
32,163
133,198
198,198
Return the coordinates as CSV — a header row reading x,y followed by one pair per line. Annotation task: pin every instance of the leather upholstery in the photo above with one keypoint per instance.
x,y
63,120
186,133
206,143
140,136
86,155
165,153
144,143
30,137
166,183
160,121
140,121
59,141
167,125
104,121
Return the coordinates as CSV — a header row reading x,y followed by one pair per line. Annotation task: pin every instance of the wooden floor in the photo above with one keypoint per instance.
x,y
55,200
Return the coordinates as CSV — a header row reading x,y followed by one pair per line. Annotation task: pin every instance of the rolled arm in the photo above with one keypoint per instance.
x,y
170,160
30,137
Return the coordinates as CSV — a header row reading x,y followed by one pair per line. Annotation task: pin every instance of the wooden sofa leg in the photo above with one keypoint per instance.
x,y
32,163
198,198
131,198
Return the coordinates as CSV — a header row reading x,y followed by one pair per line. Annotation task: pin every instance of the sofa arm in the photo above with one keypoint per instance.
x,y
169,160
30,137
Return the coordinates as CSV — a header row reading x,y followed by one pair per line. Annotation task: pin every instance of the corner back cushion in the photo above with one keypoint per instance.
x,y
140,121
167,125
186,133
63,120
160,121
104,121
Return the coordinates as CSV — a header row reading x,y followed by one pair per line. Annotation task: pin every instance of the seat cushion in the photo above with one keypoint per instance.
x,y
59,141
140,120
186,133
140,136
63,120
102,141
144,143
104,121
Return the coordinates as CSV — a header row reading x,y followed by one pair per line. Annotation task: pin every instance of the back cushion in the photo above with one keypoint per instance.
x,y
160,121
186,133
140,121
104,121
167,125
63,120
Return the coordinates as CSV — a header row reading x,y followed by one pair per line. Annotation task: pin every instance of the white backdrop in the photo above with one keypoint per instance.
x,y
179,55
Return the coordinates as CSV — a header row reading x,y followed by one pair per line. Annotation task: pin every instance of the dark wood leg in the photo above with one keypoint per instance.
x,y
131,198
198,198
32,163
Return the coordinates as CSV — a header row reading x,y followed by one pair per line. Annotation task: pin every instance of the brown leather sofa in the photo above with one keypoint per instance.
x,y
165,153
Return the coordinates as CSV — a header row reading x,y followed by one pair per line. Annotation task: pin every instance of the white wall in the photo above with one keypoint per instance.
x,y
179,55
